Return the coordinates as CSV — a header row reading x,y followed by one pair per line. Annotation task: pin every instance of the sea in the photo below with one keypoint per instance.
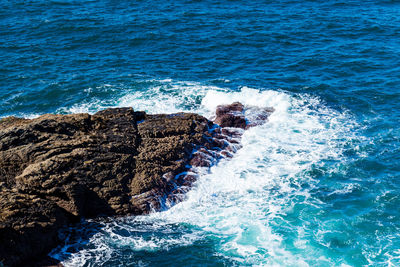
x,y
317,185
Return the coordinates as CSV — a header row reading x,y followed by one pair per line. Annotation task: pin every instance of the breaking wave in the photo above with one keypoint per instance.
x,y
246,207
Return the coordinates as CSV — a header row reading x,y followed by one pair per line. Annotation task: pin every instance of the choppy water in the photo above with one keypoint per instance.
x,y
316,186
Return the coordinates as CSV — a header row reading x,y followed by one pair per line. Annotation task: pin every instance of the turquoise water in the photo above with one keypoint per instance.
x,y
318,185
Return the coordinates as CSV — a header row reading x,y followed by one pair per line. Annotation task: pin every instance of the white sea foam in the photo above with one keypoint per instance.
x,y
241,196
240,199
161,96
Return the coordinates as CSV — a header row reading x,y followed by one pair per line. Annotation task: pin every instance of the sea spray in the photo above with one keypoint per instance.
x,y
242,202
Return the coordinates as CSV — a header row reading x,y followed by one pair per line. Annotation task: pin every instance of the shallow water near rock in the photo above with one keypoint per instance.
x,y
317,185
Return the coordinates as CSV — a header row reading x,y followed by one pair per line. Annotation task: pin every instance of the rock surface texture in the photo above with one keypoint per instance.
x,y
57,169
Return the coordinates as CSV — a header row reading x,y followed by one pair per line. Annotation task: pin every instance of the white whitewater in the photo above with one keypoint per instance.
x,y
241,200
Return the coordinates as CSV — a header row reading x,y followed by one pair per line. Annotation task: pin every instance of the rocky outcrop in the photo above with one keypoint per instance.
x,y
58,169
237,116
231,116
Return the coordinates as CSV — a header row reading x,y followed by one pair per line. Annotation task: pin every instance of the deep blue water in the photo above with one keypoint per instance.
x,y
317,186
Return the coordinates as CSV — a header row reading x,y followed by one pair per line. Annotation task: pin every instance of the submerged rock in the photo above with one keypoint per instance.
x,y
58,169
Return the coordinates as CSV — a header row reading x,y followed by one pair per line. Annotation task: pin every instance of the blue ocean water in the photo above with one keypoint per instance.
x,y
318,185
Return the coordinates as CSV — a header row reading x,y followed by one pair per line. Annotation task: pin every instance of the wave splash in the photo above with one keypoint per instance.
x,y
242,203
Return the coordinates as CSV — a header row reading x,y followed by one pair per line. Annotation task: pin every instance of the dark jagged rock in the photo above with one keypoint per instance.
x,y
58,169
234,115
231,116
